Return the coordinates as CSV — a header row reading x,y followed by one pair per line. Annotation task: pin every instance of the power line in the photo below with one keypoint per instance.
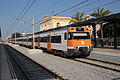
x,y
53,6
102,5
24,8
97,6
24,13
66,9
71,7
21,13
27,10
94,7
91,3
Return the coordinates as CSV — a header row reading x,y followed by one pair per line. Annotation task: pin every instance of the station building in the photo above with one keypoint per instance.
x,y
59,21
54,22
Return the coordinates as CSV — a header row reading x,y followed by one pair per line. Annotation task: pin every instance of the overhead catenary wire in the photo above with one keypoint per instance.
x,y
71,7
66,9
95,7
43,12
26,11
20,14
98,6
23,14
51,7
102,5
91,3
92,8
24,8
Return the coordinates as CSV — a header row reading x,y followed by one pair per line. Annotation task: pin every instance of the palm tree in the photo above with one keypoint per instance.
x,y
100,13
78,17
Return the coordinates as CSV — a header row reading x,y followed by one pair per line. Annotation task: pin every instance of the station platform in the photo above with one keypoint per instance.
x,y
107,50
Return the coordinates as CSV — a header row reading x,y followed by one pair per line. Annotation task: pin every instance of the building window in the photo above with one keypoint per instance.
x,y
58,24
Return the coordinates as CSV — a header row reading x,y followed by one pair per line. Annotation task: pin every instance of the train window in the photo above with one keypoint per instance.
x,y
30,39
38,39
48,39
35,39
56,39
43,39
79,29
65,36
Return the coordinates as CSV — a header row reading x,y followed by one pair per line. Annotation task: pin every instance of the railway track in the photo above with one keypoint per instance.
x,y
100,63
27,69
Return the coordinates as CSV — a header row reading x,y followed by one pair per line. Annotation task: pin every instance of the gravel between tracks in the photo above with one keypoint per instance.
x,y
70,69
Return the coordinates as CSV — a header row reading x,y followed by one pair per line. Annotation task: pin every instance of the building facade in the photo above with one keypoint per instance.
x,y
54,22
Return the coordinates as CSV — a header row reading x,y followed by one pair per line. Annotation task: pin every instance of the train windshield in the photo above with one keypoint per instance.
x,y
80,35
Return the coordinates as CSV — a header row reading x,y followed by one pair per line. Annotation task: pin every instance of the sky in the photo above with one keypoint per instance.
x,y
10,10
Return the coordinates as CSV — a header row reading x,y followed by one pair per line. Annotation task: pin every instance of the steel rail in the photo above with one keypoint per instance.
x,y
103,61
50,71
9,51
97,65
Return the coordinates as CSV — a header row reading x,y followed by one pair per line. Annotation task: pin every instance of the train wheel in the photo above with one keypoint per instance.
x,y
85,54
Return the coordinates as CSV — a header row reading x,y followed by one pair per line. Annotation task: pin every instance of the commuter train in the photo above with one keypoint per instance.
x,y
65,41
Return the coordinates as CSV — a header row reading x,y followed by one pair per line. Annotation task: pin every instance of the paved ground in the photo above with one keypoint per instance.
x,y
4,69
107,51
107,54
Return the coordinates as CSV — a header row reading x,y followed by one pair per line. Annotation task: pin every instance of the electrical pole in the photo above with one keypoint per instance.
x,y
33,32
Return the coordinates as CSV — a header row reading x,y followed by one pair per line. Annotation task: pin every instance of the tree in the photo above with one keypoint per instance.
x,y
100,13
17,35
78,17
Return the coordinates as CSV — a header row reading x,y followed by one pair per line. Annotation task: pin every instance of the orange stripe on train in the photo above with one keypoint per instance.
x,y
82,42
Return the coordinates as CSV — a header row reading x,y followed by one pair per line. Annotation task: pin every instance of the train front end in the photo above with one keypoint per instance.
x,y
79,42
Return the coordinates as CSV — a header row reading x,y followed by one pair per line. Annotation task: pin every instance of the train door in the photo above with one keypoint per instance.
x,y
48,42
65,35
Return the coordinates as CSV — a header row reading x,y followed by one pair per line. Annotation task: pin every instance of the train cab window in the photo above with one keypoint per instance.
x,y
79,29
80,35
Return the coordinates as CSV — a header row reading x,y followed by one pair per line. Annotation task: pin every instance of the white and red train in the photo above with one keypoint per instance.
x,y
66,41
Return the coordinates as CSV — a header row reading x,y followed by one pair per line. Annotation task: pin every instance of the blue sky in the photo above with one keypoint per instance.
x,y
10,9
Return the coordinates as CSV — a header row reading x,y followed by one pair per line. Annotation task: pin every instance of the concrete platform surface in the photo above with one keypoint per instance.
x,y
4,69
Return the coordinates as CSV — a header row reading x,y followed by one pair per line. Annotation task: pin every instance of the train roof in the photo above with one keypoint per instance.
x,y
108,18
61,27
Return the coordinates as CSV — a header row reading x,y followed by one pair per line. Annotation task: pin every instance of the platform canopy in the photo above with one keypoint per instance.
x,y
110,18
114,18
